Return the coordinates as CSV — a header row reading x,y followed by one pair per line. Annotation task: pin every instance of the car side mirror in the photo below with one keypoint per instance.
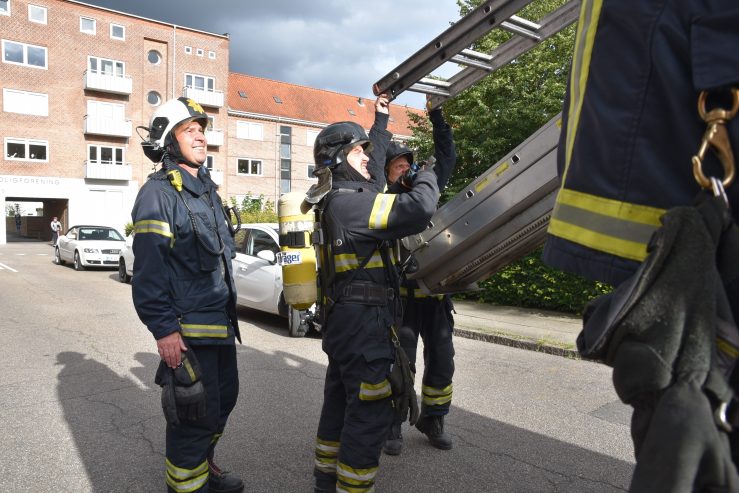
x,y
71,236
267,255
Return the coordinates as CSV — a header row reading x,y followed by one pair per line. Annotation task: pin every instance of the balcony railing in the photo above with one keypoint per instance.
x,y
102,170
205,98
214,137
107,126
217,176
115,84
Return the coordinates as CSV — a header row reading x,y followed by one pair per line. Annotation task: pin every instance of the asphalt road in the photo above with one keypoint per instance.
x,y
80,411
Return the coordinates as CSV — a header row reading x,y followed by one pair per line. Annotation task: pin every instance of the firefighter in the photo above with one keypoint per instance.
x,y
630,127
427,315
183,292
358,223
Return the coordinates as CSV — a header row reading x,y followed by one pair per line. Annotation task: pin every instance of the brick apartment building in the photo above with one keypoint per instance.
x,y
77,80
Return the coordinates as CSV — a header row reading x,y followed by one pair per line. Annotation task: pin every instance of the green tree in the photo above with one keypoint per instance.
x,y
489,120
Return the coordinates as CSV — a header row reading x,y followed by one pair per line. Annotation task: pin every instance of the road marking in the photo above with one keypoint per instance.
x,y
42,254
3,266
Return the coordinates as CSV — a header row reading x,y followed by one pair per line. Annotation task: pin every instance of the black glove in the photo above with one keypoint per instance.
x,y
402,378
183,393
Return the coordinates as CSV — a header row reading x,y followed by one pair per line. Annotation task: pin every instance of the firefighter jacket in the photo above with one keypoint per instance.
x,y
379,138
356,223
631,126
183,278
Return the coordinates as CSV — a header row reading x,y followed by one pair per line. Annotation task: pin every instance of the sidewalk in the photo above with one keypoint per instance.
x,y
538,330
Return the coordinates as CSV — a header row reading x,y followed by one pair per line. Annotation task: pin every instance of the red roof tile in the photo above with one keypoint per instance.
x,y
309,104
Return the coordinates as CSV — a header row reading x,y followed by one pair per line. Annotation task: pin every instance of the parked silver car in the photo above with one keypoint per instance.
x,y
89,246
257,276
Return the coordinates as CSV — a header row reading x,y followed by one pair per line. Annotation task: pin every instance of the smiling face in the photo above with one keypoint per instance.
x,y
191,139
358,160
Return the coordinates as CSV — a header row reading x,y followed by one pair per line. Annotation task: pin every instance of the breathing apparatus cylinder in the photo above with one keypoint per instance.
x,y
297,256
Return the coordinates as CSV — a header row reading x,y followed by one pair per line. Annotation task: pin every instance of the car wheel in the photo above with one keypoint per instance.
x,y
58,257
77,263
297,327
122,276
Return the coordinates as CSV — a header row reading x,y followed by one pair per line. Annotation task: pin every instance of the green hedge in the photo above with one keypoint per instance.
x,y
531,284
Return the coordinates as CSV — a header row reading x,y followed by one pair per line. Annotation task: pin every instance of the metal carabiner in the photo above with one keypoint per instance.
x,y
717,138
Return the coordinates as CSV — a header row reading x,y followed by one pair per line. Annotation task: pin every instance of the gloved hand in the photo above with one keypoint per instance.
x,y
183,393
402,379
408,178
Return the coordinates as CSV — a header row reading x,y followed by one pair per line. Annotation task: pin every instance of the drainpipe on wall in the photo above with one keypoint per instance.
x,y
174,61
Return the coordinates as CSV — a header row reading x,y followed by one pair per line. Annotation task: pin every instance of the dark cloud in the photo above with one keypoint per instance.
x,y
328,44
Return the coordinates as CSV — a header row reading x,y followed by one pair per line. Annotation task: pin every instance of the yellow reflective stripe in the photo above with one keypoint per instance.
x,y
374,391
202,330
151,226
186,480
727,348
188,367
326,453
216,437
611,226
327,446
436,397
417,294
587,25
352,476
349,261
381,210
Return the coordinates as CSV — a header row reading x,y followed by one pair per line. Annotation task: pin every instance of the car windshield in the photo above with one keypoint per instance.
x,y
100,234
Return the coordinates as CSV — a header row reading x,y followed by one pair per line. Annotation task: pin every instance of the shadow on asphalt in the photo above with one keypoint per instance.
x,y
118,432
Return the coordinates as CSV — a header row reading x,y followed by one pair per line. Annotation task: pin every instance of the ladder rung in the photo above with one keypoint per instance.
x,y
520,21
483,57
428,81
470,62
516,29
429,90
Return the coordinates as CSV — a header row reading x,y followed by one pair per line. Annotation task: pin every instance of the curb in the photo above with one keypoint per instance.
x,y
517,343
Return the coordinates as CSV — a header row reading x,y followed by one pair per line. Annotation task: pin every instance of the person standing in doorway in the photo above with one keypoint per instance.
x,y
56,227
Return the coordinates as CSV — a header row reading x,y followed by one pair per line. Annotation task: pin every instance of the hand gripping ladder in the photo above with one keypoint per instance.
x,y
503,214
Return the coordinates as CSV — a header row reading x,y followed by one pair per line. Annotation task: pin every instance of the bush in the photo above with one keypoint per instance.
x,y
128,229
531,284
256,210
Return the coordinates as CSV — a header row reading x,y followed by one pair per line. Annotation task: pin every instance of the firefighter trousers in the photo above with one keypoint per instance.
x,y
191,442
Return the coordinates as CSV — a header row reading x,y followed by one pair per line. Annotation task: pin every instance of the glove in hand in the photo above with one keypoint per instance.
x,y
183,393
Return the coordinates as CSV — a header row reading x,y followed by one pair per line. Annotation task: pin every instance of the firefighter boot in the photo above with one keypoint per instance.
x,y
394,442
433,428
223,481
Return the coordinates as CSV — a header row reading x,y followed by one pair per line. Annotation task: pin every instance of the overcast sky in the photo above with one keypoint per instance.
x,y
339,45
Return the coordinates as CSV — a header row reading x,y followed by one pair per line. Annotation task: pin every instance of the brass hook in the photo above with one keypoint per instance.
x,y
716,137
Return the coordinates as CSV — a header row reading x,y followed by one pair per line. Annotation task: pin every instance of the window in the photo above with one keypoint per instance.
x,y
277,99
209,160
200,82
154,57
212,55
101,154
311,167
154,98
285,160
117,32
26,149
259,241
249,130
249,167
199,52
211,120
351,112
25,103
104,66
87,25
4,7
188,50
23,54
242,94
37,14
311,137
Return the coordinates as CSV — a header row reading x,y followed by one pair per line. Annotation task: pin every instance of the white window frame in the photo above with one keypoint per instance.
x,y
188,50
25,105
6,11
205,78
100,147
123,28
251,161
25,54
41,9
94,26
211,123
27,143
100,61
199,52
249,130
212,55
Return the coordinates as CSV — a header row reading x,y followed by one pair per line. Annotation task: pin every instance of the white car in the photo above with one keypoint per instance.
x,y
125,261
89,246
258,278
